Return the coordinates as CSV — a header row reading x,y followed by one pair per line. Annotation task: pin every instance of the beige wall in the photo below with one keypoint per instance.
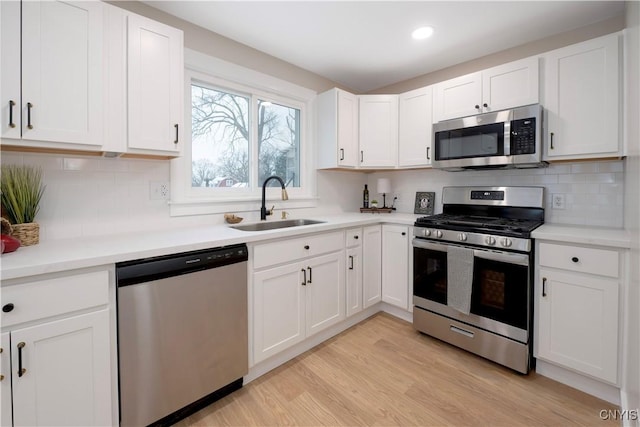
x,y
205,41
502,57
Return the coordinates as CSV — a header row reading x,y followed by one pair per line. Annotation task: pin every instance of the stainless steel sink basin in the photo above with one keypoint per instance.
x,y
262,226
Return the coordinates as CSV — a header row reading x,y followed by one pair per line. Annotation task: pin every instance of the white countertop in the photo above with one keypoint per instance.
x,y
60,255
586,235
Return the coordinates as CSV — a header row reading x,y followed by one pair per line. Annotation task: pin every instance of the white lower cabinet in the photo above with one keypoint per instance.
x,y
56,352
296,300
577,307
353,257
371,265
395,265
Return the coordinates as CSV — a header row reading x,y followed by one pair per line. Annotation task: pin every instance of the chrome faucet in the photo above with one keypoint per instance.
x,y
263,208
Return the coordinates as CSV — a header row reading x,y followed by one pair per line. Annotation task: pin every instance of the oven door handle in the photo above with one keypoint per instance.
x,y
422,244
518,259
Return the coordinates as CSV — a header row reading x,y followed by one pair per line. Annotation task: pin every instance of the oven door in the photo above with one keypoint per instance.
x,y
500,296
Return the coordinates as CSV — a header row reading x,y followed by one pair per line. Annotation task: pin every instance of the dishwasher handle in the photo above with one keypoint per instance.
x,y
149,269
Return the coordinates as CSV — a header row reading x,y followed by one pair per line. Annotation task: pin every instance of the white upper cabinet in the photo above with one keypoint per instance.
x,y
378,130
498,88
155,85
582,100
337,129
415,127
52,87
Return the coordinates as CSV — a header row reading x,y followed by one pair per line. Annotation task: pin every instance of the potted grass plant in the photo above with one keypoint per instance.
x,y
22,189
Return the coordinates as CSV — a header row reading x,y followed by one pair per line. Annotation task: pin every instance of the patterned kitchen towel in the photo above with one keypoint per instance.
x,y
459,278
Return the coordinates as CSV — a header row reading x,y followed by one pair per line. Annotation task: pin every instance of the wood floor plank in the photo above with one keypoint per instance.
x,y
382,372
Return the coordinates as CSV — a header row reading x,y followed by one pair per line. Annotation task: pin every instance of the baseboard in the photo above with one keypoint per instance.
x,y
588,385
398,312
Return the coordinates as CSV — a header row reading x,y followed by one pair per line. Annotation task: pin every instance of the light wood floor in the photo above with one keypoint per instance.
x,y
381,373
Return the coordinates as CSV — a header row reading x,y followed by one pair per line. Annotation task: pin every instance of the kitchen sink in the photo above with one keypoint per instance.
x,y
262,226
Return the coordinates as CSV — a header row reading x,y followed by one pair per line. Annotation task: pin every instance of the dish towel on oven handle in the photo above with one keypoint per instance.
x,y
459,278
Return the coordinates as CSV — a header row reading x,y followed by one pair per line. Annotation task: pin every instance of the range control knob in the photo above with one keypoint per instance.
x,y
426,232
506,242
490,240
439,234
462,237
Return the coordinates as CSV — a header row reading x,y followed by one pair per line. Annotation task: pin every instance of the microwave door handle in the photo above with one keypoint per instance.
x,y
518,259
419,243
507,138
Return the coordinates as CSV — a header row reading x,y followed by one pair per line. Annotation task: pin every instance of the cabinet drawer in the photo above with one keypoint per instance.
x,y
52,297
602,262
297,248
354,237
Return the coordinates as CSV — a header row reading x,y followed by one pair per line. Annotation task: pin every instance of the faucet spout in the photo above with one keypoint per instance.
x,y
285,196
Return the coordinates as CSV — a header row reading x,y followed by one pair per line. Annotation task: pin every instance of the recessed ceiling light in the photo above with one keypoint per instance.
x,y
422,33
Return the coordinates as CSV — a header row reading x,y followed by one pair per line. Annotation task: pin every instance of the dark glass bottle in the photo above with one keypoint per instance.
x,y
365,197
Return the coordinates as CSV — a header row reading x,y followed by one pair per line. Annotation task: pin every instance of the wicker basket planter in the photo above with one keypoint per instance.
x,y
28,233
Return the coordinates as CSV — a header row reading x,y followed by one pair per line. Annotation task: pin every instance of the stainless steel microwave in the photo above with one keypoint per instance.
x,y
500,140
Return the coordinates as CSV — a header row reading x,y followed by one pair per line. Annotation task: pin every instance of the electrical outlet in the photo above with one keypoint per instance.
x,y
557,201
159,190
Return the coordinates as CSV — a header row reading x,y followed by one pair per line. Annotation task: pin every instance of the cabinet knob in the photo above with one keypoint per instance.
x,y
477,107
575,259
485,105
404,234
8,307
356,237
306,247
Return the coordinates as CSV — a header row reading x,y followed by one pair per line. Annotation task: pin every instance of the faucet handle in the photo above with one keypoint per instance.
x,y
270,211
285,214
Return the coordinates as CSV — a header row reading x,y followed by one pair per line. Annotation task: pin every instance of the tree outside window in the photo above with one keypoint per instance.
x,y
222,140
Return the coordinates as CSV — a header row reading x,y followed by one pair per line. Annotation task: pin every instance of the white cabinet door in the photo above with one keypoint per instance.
x,y
457,97
378,130
506,86
62,71
578,323
279,309
10,76
337,129
371,268
582,101
354,280
415,127
5,380
66,377
510,85
155,85
395,265
325,292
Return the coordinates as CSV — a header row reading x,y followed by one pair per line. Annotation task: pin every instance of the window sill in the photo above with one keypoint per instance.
x,y
217,206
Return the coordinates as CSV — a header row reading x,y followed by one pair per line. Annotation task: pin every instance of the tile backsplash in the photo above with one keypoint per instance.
x,y
89,196
593,191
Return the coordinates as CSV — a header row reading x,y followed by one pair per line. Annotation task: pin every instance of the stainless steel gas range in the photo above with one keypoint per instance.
x,y
473,271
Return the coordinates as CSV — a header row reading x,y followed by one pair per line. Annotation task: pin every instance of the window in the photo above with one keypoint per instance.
x,y
223,135
241,134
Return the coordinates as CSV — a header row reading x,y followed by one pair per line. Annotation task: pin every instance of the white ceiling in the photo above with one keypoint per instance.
x,y
366,45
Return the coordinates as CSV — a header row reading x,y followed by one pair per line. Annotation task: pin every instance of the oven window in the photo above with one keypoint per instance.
x,y
430,274
500,292
478,141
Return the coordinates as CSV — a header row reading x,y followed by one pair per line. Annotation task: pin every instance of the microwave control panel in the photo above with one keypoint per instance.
x,y
523,136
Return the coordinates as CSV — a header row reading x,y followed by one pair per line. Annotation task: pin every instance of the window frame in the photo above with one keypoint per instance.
x,y
217,74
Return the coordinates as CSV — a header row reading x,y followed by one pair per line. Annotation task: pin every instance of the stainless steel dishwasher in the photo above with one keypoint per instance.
x,y
182,333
